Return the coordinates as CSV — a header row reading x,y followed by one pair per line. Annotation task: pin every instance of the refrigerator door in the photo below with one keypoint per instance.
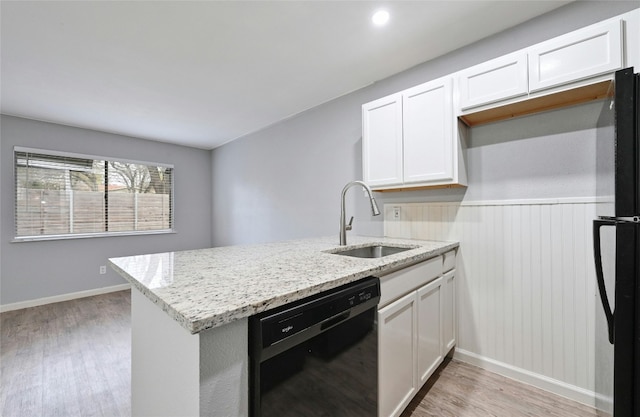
x,y
604,239
606,157
627,321
617,149
627,157
617,377
617,249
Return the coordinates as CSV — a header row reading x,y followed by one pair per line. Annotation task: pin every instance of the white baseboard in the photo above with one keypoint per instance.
x,y
62,297
554,386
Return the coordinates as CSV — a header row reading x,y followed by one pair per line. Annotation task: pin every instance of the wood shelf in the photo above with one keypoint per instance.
x,y
539,104
417,188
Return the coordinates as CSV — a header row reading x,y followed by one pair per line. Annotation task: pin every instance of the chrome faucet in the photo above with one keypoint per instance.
x,y
343,226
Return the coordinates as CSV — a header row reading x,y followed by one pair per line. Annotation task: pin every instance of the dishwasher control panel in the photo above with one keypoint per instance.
x,y
322,309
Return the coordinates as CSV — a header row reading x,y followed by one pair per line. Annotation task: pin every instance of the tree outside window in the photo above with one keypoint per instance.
x,y
58,194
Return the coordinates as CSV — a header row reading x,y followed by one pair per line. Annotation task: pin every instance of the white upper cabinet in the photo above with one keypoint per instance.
x,y
408,138
632,39
412,139
494,80
382,141
568,62
594,50
427,120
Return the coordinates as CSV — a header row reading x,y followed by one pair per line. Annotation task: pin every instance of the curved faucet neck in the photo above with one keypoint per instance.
x,y
343,226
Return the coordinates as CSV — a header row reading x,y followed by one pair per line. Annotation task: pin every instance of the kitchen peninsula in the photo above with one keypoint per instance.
x,y
189,312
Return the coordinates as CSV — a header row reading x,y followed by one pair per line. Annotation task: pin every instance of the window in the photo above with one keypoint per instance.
x,y
66,195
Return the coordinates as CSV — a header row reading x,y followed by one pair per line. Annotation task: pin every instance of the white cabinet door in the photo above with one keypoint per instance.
x,y
632,39
429,336
494,80
382,141
396,355
584,53
427,120
449,320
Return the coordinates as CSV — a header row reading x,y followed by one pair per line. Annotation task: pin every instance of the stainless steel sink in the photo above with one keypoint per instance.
x,y
376,251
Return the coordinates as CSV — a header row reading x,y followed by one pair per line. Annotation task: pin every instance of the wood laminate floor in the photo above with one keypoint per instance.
x,y
67,359
458,389
73,359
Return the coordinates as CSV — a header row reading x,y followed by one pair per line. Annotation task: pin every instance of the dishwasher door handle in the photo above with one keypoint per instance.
x,y
332,321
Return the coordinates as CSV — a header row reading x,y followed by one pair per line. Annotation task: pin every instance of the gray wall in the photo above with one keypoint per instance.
x,y
284,181
32,270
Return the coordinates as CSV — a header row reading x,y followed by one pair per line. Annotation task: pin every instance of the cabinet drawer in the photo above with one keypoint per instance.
x,y
585,53
449,261
401,282
495,80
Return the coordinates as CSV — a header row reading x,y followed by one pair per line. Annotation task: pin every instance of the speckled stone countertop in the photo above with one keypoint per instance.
x,y
207,288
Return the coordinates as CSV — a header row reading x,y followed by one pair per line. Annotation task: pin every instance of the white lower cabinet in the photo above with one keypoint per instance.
x,y
449,320
396,353
414,330
429,335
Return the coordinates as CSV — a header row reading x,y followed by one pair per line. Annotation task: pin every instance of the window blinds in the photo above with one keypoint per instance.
x,y
64,194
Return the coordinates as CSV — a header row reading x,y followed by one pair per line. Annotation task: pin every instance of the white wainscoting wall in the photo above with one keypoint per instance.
x,y
526,285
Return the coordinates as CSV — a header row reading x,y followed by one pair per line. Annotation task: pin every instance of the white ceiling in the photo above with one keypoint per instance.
x,y
204,73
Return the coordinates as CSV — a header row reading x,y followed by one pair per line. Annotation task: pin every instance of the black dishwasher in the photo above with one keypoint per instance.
x,y
317,356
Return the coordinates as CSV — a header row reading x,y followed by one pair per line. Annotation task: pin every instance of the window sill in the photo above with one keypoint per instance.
x,y
22,239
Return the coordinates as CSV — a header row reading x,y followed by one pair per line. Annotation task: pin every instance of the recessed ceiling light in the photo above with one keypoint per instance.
x,y
380,18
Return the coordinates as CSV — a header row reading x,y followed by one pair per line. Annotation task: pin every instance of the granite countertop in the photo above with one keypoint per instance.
x,y
207,288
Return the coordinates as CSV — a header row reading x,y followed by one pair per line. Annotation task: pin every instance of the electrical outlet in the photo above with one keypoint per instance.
x,y
396,213
103,269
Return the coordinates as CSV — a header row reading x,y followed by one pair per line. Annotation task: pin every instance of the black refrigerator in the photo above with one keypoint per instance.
x,y
616,233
